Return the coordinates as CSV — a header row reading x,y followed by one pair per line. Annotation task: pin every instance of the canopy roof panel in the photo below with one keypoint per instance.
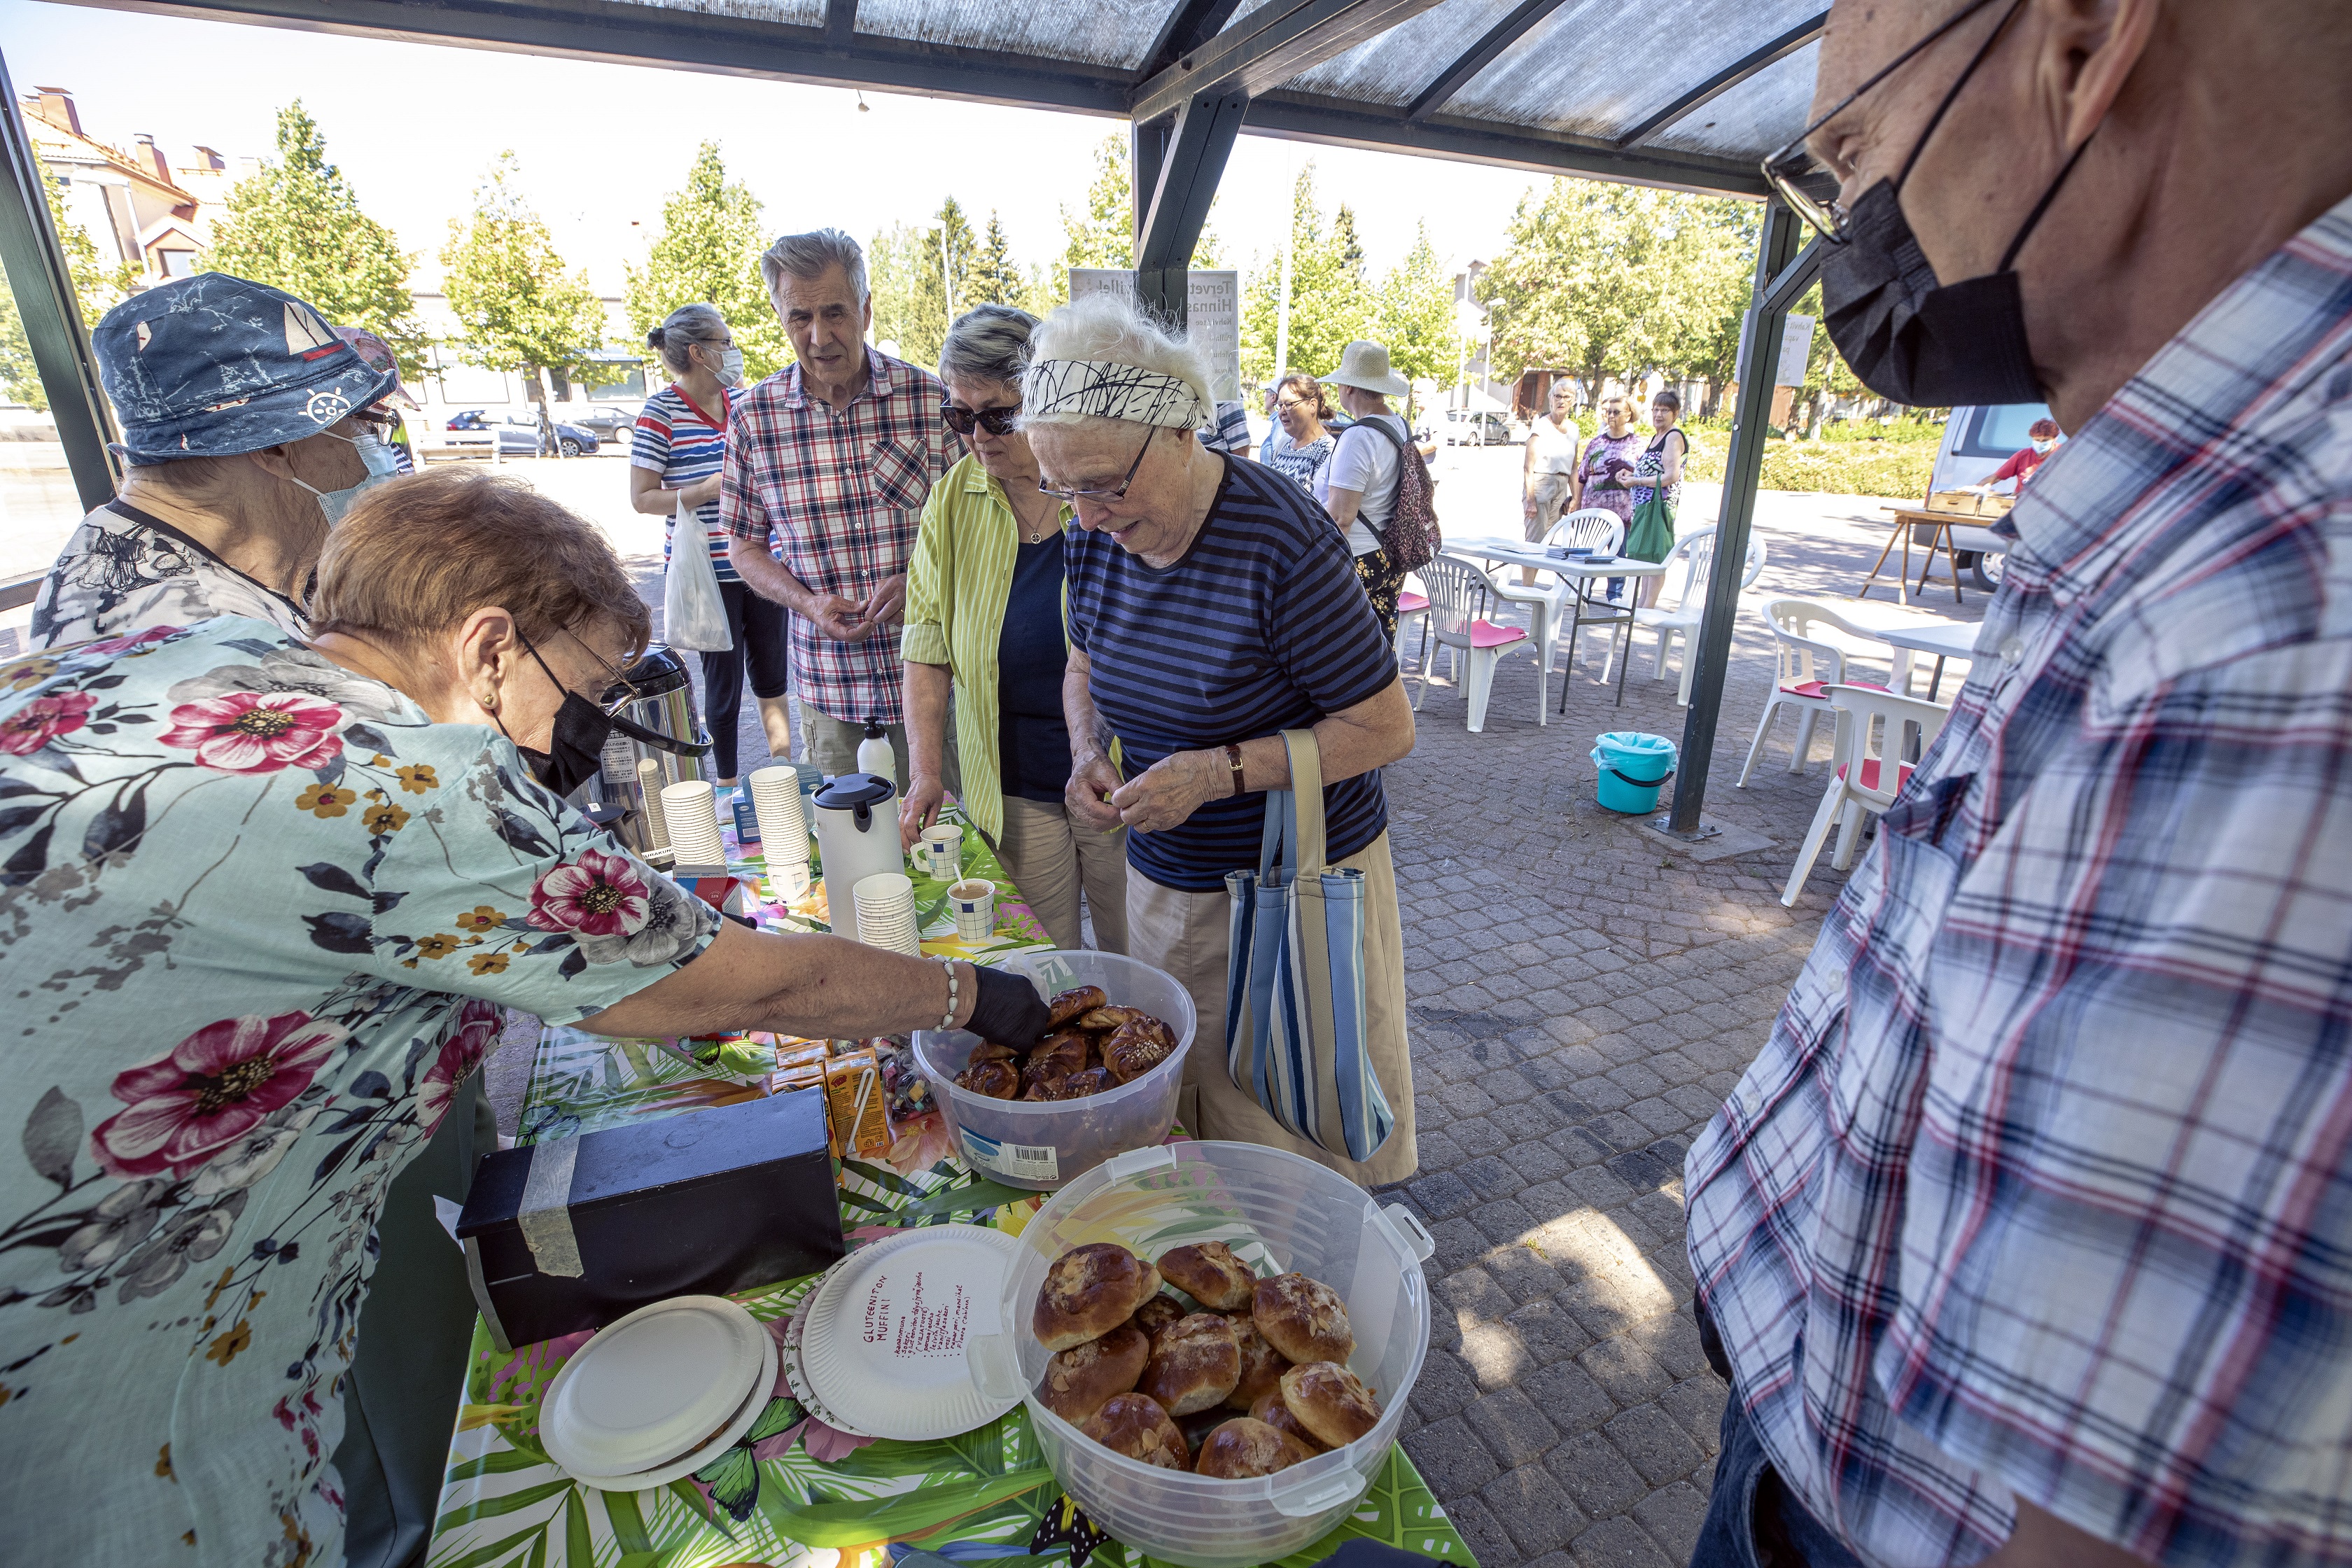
x,y
1684,93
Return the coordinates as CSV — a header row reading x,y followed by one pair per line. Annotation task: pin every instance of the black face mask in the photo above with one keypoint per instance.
x,y
1906,336
578,736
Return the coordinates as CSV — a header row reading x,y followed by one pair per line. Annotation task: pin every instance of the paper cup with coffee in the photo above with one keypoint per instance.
x,y
975,902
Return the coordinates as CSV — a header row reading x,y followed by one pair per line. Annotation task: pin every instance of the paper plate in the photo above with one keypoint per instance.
x,y
723,1439
883,1342
654,1386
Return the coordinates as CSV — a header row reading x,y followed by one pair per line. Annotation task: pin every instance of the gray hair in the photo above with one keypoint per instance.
x,y
1117,328
681,330
809,257
987,342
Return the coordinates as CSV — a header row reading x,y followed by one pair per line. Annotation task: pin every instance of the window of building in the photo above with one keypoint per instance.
x,y
177,263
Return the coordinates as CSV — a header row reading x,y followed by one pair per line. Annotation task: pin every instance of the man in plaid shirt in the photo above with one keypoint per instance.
x,y
828,464
2027,1237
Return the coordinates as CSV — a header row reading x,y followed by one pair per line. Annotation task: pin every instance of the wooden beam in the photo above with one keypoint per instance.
x,y
1478,57
1729,77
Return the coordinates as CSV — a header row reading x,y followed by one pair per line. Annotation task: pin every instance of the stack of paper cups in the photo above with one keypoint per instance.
x,y
691,812
783,829
885,913
649,785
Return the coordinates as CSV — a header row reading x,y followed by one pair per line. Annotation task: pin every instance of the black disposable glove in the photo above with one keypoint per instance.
x,y
1008,1010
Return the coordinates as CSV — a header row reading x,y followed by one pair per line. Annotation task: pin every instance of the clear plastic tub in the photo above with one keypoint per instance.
x,y
1281,1214
1040,1144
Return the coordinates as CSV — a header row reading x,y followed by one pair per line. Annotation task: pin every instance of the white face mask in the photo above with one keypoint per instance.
x,y
2044,446
382,463
730,369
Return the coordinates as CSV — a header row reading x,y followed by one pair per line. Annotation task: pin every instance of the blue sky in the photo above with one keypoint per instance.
x,y
413,125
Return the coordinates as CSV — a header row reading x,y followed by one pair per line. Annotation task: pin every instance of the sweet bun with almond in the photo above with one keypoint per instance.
x,y
1262,1364
1195,1361
1269,1409
1331,1401
1079,1381
1210,1273
1088,1291
1302,1317
1134,1425
1242,1448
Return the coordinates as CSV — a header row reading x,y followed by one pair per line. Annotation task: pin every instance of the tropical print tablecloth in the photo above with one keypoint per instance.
x,y
794,1491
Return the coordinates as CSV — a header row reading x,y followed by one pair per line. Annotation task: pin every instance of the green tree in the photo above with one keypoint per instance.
x,y
890,283
521,310
940,282
995,279
296,224
1331,305
1414,314
1602,279
1349,248
708,251
1103,235
98,289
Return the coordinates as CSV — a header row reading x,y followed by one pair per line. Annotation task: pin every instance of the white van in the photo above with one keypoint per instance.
x,y
1976,442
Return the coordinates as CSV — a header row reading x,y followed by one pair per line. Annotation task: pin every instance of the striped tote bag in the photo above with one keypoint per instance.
x,y
1295,1021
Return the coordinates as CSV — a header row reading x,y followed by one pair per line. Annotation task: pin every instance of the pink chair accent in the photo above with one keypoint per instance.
x,y
1875,727
1806,667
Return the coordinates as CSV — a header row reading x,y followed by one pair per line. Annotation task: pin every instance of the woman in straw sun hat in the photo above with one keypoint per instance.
x,y
1358,485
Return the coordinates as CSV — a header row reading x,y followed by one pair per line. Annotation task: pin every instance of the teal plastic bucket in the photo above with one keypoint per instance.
x,y
1633,767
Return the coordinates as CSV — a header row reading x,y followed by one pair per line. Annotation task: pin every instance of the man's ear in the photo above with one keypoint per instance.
x,y
2089,49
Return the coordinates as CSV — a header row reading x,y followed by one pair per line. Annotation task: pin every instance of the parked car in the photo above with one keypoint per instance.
x,y
609,423
1477,427
1976,442
516,434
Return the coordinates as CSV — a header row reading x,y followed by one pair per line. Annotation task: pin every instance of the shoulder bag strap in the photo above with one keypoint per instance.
x,y
1294,839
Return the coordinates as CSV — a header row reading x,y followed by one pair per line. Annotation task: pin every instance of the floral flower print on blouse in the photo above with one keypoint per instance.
x,y
262,916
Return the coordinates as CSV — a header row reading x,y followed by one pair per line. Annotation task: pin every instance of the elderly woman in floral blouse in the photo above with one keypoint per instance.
x,y
263,898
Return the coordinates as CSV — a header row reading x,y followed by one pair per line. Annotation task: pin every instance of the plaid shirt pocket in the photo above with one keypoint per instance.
x,y
902,477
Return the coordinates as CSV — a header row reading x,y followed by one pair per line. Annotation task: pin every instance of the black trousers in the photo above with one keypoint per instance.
x,y
758,626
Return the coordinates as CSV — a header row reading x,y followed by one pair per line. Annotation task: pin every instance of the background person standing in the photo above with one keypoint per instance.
x,y
1300,443
1358,488
1550,468
827,468
675,455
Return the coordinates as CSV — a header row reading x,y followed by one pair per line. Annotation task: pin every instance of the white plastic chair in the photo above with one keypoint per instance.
x,y
1689,565
1413,605
1876,730
1457,589
1805,666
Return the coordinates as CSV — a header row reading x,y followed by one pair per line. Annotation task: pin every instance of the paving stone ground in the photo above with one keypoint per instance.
x,y
1581,998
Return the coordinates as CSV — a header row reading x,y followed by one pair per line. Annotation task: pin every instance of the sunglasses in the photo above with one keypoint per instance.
x,y
1793,168
995,421
1102,498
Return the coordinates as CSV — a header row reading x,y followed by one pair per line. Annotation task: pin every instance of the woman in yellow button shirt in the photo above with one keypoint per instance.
x,y
984,621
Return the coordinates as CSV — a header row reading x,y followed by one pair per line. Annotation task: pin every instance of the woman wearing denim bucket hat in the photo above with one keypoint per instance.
x,y
247,428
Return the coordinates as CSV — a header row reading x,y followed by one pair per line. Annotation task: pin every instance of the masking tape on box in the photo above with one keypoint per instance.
x,y
545,1217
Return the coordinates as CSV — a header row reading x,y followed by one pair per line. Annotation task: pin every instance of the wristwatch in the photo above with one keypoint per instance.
x,y
1234,760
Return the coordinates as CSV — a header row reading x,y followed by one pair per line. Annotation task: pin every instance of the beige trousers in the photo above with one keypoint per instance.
x,y
1187,934
1049,857
833,743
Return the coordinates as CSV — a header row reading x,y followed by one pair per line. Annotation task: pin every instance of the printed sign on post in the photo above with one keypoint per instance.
x,y
1796,349
1212,309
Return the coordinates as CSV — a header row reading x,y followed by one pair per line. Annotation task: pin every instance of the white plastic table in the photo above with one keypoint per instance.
x,y
1519,552
1943,640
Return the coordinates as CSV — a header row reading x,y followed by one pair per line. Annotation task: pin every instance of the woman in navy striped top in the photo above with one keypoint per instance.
x,y
1212,605
681,442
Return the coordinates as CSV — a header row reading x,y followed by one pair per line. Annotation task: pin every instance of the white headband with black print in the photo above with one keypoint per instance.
x,y
1103,389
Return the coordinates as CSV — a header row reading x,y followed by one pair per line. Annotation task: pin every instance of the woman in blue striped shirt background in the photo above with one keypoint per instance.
x,y
680,445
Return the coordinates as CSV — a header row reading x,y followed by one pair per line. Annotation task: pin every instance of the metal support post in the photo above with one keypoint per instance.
x,y
43,286
1178,162
1760,353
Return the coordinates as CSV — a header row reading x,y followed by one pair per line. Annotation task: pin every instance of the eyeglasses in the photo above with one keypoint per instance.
x,y
1289,403
1101,498
1793,167
613,674
995,421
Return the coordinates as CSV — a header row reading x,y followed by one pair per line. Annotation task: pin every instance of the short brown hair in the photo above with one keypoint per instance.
x,y
1306,387
417,555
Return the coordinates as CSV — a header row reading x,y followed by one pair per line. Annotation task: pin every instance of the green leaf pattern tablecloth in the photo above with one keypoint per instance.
x,y
983,1496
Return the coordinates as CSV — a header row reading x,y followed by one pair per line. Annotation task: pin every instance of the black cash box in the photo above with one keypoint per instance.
x,y
572,1232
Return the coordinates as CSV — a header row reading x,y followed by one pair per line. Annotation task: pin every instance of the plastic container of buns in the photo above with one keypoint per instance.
x,y
1040,1144
1280,1214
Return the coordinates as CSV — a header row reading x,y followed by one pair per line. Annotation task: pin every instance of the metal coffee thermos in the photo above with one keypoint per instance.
x,y
627,796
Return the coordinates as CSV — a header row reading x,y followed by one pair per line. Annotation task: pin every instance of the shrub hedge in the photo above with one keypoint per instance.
x,y
1897,469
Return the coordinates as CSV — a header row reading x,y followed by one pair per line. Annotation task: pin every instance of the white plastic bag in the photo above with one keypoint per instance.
x,y
693,615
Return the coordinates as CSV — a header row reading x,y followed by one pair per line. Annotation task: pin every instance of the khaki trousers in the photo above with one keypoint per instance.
x,y
833,743
1049,857
1187,934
